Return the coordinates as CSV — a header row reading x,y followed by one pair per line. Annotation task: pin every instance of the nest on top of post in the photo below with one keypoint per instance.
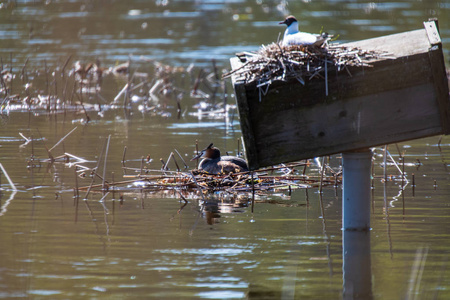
x,y
275,62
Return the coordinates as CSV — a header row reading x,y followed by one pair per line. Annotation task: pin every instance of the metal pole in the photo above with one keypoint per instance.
x,y
356,196
356,190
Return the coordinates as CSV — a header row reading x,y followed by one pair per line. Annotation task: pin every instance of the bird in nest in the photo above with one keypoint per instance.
x,y
214,163
292,36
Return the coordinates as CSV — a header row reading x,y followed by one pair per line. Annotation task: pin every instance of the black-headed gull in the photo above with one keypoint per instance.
x,y
292,36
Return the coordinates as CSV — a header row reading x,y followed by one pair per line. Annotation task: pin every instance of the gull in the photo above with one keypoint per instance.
x,y
292,36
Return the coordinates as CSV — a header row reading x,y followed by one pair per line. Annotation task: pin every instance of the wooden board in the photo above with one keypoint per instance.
x,y
395,100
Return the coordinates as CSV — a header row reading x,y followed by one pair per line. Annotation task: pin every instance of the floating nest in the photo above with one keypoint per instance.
x,y
302,63
261,182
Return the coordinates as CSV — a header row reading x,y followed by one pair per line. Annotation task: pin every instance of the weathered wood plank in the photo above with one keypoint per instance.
x,y
244,115
439,74
361,122
441,85
398,45
384,75
432,32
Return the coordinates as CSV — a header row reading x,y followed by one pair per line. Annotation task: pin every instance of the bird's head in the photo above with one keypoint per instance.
x,y
289,20
208,152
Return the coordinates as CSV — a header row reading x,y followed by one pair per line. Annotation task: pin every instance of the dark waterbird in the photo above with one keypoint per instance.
x,y
213,163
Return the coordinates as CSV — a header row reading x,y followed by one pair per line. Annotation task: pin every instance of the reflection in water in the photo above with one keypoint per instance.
x,y
416,272
4,207
356,266
213,208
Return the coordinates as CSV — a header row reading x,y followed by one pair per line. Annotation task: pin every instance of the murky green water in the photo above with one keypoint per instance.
x,y
151,245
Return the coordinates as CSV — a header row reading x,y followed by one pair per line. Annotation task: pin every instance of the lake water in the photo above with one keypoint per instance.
x,y
138,244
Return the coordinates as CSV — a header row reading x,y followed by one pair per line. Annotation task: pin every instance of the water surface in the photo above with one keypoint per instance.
x,y
152,245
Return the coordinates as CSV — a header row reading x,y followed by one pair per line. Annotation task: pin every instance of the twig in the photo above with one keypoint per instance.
x,y
94,171
65,65
181,196
123,90
50,156
198,186
184,162
11,183
197,82
59,142
142,165
104,165
168,160
322,171
123,159
24,79
27,140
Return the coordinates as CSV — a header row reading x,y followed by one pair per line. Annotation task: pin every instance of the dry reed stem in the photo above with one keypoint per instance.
x,y
11,183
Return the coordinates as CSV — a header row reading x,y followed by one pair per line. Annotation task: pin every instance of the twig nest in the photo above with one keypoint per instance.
x,y
276,62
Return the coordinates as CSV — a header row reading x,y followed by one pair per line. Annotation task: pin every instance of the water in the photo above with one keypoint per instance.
x,y
186,31
151,245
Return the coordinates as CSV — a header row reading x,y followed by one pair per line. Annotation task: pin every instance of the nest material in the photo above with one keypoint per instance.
x,y
275,62
286,177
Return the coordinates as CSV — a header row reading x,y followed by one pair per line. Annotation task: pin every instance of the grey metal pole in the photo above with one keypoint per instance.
x,y
356,190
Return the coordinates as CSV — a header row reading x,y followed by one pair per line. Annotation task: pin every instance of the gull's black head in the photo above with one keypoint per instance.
x,y
289,20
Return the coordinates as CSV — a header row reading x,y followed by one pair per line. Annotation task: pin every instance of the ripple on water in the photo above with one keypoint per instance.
x,y
195,126
36,41
165,14
76,14
221,295
206,251
8,34
44,292
388,6
381,28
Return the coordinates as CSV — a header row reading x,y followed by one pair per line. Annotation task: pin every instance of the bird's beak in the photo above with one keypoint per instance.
x,y
282,22
198,156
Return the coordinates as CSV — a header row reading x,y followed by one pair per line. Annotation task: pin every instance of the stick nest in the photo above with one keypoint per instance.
x,y
275,62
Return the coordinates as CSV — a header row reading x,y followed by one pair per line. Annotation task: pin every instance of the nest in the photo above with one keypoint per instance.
x,y
302,63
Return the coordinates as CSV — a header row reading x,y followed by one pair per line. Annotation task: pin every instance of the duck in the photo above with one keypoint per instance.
x,y
214,163
292,36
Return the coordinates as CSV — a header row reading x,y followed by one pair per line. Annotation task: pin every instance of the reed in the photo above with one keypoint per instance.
x,y
104,165
24,73
11,183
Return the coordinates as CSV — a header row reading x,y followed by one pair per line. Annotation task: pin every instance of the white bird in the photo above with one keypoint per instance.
x,y
292,36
